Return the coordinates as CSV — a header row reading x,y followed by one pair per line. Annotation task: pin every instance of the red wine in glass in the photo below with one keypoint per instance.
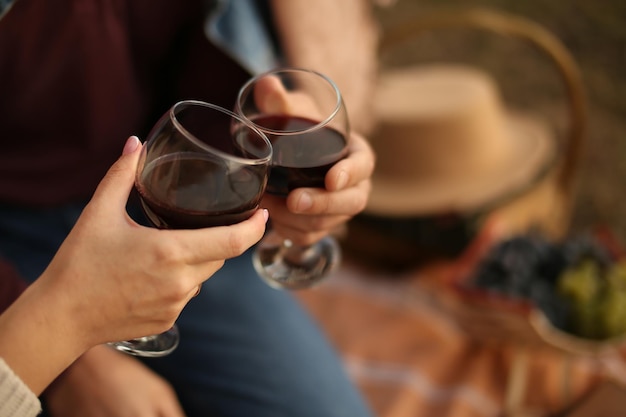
x,y
303,114
300,160
201,166
187,191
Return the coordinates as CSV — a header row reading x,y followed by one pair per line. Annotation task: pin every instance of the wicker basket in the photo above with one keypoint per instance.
x,y
494,318
497,319
544,204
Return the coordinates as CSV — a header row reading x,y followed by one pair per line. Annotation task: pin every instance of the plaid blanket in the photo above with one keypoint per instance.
x,y
411,359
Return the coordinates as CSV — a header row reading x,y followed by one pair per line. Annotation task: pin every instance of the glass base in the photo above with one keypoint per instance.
x,y
150,346
286,266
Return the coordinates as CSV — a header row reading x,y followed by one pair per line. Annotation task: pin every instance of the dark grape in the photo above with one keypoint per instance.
x,y
582,247
545,297
513,265
573,282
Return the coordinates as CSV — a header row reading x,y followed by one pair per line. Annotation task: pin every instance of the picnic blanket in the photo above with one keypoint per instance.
x,y
411,359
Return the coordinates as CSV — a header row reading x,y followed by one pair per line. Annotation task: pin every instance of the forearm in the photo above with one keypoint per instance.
x,y
338,38
39,339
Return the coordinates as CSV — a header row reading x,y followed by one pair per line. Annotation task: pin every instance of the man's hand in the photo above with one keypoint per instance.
x,y
312,213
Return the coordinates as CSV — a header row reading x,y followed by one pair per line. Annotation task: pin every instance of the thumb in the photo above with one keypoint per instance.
x,y
116,185
270,96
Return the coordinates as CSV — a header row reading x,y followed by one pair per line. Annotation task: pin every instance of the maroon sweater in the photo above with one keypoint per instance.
x,y
77,77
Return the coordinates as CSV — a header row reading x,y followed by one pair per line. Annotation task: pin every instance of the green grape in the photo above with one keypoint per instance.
x,y
612,305
612,313
580,284
616,277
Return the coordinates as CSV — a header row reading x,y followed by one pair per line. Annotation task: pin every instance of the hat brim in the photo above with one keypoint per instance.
x,y
533,153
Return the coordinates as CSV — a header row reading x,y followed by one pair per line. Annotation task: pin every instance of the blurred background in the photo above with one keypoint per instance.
x,y
595,35
412,343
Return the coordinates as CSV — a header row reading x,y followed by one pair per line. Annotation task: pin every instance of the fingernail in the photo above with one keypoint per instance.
x,y
266,215
131,145
305,202
342,180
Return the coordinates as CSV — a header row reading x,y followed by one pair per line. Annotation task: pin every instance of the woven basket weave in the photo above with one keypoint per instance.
x,y
546,207
494,318
545,204
498,319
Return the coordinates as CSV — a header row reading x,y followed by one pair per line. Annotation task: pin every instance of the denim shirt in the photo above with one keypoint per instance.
x,y
236,27
4,6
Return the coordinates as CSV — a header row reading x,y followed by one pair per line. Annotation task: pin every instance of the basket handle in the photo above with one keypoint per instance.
x,y
506,24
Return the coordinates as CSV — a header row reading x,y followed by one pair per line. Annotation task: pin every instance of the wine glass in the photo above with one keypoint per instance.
x,y
303,114
201,166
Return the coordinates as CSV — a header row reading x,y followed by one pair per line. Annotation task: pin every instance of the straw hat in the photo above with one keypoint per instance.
x,y
445,143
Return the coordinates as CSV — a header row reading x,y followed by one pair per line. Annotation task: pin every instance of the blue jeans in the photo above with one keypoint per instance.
x,y
246,349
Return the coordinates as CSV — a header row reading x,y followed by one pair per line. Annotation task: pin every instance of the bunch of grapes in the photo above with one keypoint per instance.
x,y
596,295
576,283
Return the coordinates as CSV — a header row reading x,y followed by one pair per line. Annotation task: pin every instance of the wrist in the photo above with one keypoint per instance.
x,y
40,336
95,361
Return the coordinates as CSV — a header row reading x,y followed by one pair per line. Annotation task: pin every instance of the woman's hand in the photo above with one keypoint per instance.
x,y
123,280
112,279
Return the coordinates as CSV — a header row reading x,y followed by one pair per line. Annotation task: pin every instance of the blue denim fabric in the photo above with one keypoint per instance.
x,y
238,28
4,6
246,349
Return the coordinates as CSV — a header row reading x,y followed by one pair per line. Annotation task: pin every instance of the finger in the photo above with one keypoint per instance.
x,y
284,218
358,166
299,237
348,202
219,243
298,233
270,96
308,223
116,185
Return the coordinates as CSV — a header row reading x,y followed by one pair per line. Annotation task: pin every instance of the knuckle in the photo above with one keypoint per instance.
x,y
168,252
163,252
323,204
327,205
180,289
236,244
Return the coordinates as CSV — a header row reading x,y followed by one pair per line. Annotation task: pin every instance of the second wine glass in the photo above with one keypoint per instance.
x,y
303,114
201,166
